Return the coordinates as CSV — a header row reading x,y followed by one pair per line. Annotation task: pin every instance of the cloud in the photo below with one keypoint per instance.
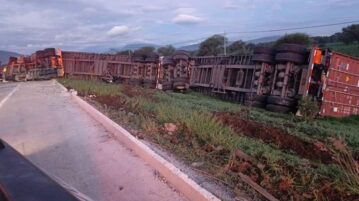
x,y
118,31
186,19
230,5
185,10
27,26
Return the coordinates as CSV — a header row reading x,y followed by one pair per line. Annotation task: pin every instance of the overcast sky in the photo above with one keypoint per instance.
x,y
28,25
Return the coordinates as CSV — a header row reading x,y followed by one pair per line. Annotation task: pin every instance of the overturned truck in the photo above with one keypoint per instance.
x,y
44,64
276,79
272,78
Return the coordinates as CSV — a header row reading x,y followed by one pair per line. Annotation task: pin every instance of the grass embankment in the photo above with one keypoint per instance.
x,y
216,133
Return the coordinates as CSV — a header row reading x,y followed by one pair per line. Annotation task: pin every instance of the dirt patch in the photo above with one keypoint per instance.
x,y
131,91
285,141
110,101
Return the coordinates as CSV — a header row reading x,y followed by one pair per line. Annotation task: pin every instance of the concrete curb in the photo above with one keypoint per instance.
x,y
173,175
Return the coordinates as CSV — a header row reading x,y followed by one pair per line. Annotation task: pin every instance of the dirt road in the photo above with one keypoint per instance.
x,y
42,122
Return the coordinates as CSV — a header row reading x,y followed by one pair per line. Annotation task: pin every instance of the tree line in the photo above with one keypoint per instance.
x,y
217,45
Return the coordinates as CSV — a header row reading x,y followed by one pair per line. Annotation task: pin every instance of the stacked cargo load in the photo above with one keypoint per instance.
x,y
44,64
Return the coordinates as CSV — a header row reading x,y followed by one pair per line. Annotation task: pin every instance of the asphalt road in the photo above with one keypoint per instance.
x,y
42,122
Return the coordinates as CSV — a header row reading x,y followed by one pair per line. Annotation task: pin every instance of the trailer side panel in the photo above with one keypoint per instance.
x,y
341,88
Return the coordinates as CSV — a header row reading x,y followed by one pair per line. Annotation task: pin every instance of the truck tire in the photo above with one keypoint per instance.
x,y
263,50
293,48
255,97
281,74
181,79
138,58
151,59
182,52
279,84
290,57
180,57
265,58
136,82
179,85
278,108
281,101
254,104
167,61
167,86
149,84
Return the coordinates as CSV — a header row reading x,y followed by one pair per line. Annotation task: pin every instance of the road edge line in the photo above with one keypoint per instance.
x,y
3,101
178,179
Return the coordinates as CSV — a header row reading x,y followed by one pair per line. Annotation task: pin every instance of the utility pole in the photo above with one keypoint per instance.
x,y
224,44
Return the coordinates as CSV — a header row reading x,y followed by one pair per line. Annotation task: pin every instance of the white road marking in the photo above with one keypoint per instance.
x,y
2,102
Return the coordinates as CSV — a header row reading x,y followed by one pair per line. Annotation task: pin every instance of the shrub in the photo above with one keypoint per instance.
x,y
308,107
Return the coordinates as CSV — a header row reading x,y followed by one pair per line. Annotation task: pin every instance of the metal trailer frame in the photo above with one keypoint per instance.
x,y
234,78
261,79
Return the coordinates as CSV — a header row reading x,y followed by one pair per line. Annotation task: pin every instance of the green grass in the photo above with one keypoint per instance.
x,y
91,87
350,49
193,113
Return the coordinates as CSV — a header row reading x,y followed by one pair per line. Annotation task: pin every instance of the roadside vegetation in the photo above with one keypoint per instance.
x,y
291,157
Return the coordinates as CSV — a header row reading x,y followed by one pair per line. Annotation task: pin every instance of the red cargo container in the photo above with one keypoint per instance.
x,y
341,86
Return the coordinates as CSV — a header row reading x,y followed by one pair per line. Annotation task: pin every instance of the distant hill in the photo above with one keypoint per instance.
x,y
4,56
267,39
193,47
136,46
107,49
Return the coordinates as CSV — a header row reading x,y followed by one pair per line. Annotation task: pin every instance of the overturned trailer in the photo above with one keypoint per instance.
x,y
44,64
147,70
271,78
276,79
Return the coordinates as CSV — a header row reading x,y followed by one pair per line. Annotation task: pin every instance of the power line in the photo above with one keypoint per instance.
x,y
269,30
297,28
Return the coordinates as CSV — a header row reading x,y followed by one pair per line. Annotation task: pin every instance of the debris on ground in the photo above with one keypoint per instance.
x,y
170,127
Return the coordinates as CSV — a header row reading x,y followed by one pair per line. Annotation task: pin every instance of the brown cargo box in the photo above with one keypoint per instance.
x,y
341,87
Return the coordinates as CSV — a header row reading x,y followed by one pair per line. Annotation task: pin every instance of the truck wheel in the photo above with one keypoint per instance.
x,y
167,61
277,108
149,83
180,57
138,58
255,97
279,84
181,79
254,104
263,50
281,75
265,58
167,86
290,57
281,101
151,59
294,48
182,52
135,82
